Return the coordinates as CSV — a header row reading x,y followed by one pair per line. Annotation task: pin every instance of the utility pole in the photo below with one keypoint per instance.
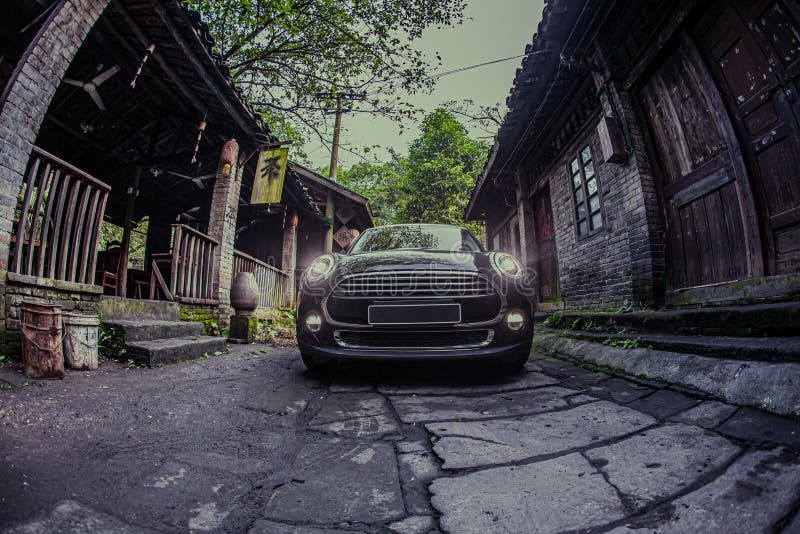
x,y
330,209
337,130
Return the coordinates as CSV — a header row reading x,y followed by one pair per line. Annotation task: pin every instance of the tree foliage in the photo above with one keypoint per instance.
x,y
292,56
432,183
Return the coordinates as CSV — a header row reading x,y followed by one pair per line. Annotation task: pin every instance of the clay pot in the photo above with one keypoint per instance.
x,y
244,293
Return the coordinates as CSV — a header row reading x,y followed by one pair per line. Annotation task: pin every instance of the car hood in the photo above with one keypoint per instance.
x,y
412,260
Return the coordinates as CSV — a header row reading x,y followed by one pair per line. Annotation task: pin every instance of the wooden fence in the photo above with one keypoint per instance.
x,y
57,221
273,283
190,267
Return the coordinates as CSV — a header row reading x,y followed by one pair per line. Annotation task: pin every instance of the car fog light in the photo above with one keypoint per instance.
x,y
515,320
313,322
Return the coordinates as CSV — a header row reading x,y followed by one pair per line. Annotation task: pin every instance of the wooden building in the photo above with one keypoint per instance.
x,y
118,112
651,154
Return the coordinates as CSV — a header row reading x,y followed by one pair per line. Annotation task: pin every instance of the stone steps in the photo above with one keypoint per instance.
x,y
758,320
776,349
152,333
148,329
157,352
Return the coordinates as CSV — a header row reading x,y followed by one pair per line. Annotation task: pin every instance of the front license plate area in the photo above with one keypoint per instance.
x,y
401,314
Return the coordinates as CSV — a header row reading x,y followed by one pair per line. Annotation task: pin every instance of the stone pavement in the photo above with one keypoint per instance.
x,y
250,442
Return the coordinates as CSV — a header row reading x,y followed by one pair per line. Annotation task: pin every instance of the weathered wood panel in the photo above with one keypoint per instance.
x,y
272,282
753,50
697,171
547,264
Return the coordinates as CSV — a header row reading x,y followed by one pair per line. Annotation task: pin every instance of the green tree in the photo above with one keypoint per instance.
x,y
292,56
379,183
439,172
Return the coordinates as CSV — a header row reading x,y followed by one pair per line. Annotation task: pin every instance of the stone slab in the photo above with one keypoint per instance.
x,y
708,414
343,406
371,426
262,526
618,390
755,425
416,470
754,493
340,481
556,495
415,524
149,329
774,387
501,384
663,403
663,461
482,443
418,409
74,517
172,350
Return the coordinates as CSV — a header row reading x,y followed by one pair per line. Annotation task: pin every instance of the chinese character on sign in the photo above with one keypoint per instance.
x,y
268,183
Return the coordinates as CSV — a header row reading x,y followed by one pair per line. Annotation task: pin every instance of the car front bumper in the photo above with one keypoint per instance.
x,y
324,352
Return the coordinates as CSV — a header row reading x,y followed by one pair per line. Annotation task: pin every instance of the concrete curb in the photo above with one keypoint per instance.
x,y
774,387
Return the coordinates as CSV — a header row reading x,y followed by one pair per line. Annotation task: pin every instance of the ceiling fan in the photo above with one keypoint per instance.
x,y
91,86
198,180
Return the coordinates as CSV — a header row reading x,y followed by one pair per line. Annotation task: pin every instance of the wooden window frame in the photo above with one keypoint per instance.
x,y
582,165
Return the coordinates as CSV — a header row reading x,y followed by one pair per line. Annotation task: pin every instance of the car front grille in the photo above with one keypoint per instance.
x,y
412,284
390,339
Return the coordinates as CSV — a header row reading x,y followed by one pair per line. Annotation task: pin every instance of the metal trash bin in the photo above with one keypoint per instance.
x,y
42,355
80,340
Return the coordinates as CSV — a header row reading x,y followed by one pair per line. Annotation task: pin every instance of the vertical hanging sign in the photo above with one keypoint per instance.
x,y
270,170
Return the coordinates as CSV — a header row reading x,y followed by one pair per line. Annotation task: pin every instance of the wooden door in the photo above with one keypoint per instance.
x,y
546,260
700,176
753,49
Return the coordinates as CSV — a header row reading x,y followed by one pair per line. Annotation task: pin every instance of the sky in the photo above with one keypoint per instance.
x,y
492,29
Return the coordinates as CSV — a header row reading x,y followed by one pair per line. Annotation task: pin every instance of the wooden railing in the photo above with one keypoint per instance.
x,y
190,267
57,221
273,284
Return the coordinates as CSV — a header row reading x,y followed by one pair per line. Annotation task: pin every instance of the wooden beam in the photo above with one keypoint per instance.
x,y
130,207
202,71
188,94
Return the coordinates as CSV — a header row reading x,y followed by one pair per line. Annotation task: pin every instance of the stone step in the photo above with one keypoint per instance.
x,y
116,308
778,319
775,349
130,330
171,350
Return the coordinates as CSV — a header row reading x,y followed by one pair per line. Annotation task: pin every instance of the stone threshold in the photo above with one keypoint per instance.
x,y
769,386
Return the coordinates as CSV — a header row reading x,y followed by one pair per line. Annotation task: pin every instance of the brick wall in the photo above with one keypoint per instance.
x,y
222,223
603,270
29,92
23,105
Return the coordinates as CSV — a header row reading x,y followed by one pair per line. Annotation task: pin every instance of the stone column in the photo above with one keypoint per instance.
x,y
27,95
289,255
222,223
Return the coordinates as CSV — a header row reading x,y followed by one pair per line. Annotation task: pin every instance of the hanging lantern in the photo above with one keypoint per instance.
x,y
147,53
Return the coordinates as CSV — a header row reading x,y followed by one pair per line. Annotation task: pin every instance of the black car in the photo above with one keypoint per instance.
x,y
413,292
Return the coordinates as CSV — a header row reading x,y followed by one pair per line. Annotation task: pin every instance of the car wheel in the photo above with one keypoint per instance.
x,y
315,366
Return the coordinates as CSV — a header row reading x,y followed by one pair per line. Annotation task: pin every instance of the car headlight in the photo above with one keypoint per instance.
x,y
321,268
506,264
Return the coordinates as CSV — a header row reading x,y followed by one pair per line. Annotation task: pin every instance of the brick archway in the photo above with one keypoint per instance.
x,y
28,93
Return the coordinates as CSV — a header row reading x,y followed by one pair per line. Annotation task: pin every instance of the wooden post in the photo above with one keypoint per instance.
x,y
337,130
130,207
330,213
289,256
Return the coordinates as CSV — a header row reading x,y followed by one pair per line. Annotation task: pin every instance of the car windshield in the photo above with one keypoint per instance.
x,y
420,237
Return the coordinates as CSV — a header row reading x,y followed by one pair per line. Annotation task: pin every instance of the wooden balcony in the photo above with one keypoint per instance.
x,y
272,283
57,221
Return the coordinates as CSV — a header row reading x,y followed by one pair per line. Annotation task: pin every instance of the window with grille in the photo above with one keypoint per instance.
x,y
586,193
